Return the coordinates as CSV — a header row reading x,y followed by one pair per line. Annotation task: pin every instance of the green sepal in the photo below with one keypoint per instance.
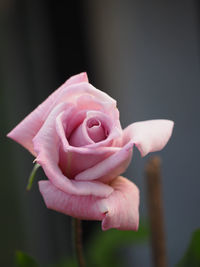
x,y
32,176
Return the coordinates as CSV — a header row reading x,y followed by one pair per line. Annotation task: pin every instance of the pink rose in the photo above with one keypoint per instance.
x,y
76,136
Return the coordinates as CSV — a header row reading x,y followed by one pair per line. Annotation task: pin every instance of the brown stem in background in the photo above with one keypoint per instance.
x,y
155,206
78,242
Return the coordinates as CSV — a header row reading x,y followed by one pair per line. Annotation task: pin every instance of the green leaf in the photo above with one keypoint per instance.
x,y
24,260
104,246
32,176
192,254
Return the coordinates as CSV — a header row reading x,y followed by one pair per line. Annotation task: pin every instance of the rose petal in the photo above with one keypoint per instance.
x,y
73,92
46,145
79,137
111,128
96,131
122,206
25,131
108,169
119,210
149,136
83,207
73,160
87,102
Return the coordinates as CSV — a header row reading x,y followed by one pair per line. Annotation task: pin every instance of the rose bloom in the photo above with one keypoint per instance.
x,y
76,136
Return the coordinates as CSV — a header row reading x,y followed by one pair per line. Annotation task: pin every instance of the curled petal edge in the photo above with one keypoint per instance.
x,y
149,136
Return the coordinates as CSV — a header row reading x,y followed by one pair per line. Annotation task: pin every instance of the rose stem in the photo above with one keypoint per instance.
x,y
78,241
155,207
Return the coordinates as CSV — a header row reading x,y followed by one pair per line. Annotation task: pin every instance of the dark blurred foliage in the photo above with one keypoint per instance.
x,y
102,249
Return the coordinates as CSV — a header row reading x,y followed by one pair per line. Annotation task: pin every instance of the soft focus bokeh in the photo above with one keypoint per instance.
x,y
146,54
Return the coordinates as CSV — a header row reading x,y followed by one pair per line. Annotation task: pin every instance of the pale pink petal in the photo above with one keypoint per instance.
x,y
149,136
119,210
106,132
79,137
82,207
72,122
88,101
122,206
80,116
73,92
73,160
111,128
46,145
96,131
25,131
78,78
109,168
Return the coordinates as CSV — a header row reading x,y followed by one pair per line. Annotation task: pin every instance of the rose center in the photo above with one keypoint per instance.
x,y
90,131
95,130
93,122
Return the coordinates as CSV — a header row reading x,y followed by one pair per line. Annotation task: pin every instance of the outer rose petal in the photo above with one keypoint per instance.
x,y
46,145
119,210
149,136
25,131
122,205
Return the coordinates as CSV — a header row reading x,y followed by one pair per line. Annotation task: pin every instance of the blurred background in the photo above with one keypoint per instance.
x,y
146,55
